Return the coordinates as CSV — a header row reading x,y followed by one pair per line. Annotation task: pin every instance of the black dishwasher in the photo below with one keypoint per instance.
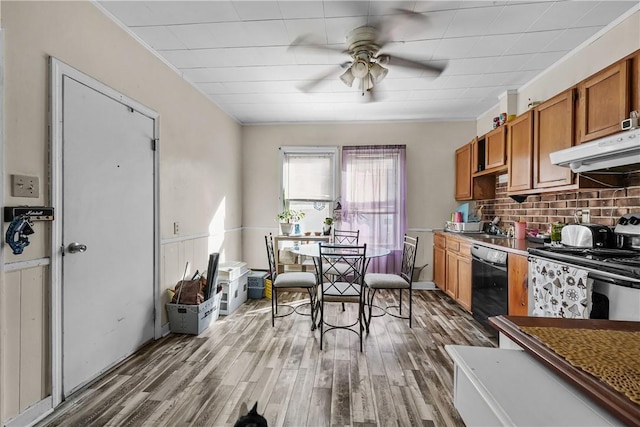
x,y
489,280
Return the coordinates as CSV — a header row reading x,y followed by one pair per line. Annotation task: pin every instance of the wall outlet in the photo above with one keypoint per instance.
x,y
176,227
25,186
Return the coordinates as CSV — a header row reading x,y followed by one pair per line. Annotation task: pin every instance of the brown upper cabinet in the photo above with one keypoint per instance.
x,y
604,101
553,126
463,173
520,152
490,152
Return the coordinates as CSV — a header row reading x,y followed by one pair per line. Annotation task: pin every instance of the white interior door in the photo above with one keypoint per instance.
x,y
108,206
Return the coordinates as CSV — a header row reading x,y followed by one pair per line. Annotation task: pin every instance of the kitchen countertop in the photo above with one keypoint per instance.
x,y
512,245
596,388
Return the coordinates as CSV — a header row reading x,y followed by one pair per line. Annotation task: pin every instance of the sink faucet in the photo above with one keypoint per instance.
x,y
493,226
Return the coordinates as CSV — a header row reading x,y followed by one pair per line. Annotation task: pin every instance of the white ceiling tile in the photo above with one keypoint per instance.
x,y
226,34
472,22
190,12
131,13
542,61
469,66
569,39
266,33
532,42
159,38
492,45
301,9
517,18
257,10
560,15
333,9
604,13
430,6
312,30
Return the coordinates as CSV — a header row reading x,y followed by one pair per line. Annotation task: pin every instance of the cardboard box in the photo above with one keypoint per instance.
x,y
193,319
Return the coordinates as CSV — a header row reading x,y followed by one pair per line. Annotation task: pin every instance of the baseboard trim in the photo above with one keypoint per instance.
x,y
424,286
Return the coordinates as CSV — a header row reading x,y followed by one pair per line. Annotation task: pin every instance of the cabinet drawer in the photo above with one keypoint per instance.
x,y
453,245
439,241
465,249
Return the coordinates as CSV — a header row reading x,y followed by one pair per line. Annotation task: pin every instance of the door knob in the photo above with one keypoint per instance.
x,y
76,247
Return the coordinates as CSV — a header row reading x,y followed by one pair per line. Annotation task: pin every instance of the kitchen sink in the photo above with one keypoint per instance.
x,y
492,236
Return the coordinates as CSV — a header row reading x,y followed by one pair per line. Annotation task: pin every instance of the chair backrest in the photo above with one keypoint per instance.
x,y
271,257
409,250
350,261
346,237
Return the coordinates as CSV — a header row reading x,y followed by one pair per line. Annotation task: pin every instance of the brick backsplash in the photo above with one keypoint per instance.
x,y
605,205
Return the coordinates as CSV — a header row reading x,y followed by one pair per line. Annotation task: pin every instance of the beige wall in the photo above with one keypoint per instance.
x,y
430,172
200,173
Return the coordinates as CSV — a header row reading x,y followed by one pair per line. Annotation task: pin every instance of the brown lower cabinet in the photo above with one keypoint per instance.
x,y
452,273
518,282
452,267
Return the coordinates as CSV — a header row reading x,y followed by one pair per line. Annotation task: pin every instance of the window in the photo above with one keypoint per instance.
x,y
308,183
374,198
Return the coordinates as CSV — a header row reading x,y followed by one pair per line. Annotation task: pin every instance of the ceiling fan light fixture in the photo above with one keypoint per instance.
x,y
347,77
378,73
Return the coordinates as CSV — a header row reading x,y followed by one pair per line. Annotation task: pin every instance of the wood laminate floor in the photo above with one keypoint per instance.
x,y
402,378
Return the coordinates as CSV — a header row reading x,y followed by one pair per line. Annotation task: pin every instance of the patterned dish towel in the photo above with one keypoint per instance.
x,y
559,290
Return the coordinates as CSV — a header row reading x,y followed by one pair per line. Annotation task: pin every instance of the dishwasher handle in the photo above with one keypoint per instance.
x,y
496,265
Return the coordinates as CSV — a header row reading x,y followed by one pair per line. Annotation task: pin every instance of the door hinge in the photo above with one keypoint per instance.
x,y
154,143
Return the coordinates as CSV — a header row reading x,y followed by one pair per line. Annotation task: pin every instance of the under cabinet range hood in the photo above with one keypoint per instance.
x,y
613,151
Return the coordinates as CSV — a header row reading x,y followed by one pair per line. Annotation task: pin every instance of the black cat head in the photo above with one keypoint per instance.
x,y
252,418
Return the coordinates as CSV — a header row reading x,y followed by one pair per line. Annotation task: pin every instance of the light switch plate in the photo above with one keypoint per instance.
x,y
25,186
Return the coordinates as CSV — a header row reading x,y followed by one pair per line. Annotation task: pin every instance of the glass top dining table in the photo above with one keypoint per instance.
x,y
313,250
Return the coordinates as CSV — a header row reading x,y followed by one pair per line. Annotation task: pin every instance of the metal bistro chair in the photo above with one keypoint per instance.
x,y
346,237
345,288
290,281
400,281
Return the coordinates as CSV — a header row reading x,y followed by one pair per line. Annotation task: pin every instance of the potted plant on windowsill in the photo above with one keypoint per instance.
x,y
326,228
287,218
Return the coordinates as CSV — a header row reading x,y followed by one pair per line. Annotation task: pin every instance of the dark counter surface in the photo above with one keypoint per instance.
x,y
506,244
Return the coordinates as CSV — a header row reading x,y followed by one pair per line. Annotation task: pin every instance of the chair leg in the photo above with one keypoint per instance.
x,y
321,322
371,293
274,294
312,302
400,306
410,300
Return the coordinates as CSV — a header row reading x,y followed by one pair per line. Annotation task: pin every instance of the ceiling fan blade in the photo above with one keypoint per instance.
x,y
305,42
400,21
409,63
334,71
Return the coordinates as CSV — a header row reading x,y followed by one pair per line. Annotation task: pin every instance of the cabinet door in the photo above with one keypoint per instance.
x,y
464,282
603,102
463,173
451,288
518,285
439,267
553,130
520,147
496,148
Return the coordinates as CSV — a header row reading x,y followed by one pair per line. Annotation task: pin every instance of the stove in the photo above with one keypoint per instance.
x,y
619,265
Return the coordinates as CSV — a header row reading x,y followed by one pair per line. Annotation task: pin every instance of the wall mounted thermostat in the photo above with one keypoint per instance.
x,y
34,213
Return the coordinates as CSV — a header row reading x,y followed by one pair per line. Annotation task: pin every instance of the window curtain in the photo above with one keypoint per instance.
x,y
374,193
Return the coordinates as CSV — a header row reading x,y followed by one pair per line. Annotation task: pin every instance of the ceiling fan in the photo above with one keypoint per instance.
x,y
367,65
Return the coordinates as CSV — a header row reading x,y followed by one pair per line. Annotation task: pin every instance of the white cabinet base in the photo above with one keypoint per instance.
x,y
495,386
